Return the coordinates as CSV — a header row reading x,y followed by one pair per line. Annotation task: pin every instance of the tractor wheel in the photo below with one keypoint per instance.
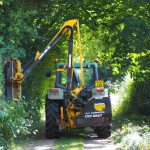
x,y
103,132
52,114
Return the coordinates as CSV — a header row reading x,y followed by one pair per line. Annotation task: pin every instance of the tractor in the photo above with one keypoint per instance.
x,y
79,98
90,108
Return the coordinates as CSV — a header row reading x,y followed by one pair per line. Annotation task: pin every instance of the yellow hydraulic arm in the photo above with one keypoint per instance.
x,y
15,75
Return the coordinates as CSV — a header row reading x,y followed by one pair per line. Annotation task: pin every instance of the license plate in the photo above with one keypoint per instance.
x,y
93,115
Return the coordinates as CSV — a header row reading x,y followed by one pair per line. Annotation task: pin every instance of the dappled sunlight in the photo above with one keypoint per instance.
x,y
103,144
132,134
92,142
38,142
114,99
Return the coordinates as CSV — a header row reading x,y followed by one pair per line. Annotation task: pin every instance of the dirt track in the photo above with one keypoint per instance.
x,y
38,143
91,142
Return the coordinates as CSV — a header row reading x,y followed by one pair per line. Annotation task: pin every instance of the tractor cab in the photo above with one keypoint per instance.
x,y
90,75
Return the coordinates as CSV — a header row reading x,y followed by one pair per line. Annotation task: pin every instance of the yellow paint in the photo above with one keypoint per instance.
x,y
12,73
78,113
80,54
62,112
73,23
71,115
17,79
99,106
18,75
77,90
38,54
61,69
70,22
18,65
99,83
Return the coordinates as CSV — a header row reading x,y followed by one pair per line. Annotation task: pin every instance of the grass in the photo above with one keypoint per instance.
x,y
72,140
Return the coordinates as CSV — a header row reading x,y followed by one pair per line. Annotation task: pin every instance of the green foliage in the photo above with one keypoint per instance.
x,y
134,96
132,132
142,96
13,122
16,29
36,87
125,92
113,32
131,129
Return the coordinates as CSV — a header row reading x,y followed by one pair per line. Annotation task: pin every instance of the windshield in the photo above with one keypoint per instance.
x,y
88,76
76,81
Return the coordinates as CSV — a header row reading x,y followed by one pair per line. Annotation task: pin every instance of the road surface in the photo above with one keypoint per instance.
x,y
38,143
91,142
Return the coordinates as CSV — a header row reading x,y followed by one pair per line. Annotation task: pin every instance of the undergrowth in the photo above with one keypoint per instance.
x,y
130,128
132,132
125,93
14,123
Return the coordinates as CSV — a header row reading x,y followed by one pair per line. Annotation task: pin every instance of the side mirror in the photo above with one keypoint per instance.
x,y
48,73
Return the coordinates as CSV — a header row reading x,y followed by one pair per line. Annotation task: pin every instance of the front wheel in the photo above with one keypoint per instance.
x,y
103,132
52,115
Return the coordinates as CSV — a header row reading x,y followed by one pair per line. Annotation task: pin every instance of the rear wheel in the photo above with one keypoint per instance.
x,y
52,115
103,132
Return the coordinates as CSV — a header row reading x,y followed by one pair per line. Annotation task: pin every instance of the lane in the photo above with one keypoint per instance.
x,y
101,144
92,142
90,139
37,143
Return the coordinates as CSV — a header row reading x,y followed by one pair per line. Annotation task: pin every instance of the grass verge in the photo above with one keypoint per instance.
x,y
72,140
132,132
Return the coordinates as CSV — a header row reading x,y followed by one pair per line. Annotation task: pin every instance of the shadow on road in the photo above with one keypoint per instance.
x,y
90,139
92,142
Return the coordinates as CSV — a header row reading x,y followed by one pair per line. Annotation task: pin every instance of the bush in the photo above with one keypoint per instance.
x,y
134,133
14,122
142,96
132,129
